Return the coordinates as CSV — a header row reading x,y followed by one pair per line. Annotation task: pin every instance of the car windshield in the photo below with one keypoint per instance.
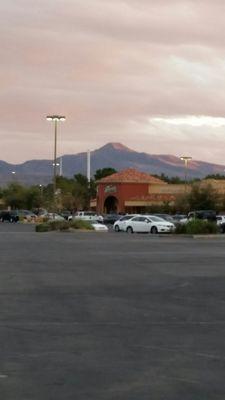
x,y
126,217
165,217
156,219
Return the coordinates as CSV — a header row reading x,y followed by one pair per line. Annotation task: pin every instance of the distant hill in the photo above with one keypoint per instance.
x,y
114,155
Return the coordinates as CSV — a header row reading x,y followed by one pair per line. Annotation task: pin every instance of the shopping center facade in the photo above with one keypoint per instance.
x,y
131,191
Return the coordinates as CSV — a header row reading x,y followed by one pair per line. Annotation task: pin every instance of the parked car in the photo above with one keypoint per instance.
x,y
148,224
40,212
54,217
209,215
166,217
120,224
220,219
99,226
206,215
178,217
86,216
67,215
10,216
26,215
111,218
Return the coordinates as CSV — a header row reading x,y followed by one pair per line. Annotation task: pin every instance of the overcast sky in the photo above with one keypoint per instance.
x,y
149,74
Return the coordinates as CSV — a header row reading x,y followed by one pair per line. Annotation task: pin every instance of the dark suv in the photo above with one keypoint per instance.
x,y
10,216
209,215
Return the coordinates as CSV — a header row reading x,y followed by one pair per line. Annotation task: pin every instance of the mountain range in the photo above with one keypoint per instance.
x,y
114,155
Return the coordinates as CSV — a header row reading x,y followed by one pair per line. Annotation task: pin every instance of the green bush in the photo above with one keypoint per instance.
x,y
63,225
197,226
58,225
42,227
181,229
80,224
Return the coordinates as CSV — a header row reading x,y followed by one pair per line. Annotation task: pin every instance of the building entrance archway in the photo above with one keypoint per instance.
x,y
111,205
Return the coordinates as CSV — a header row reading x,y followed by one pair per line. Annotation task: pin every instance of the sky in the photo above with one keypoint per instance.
x,y
149,74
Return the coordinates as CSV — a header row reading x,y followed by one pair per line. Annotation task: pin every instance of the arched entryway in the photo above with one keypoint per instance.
x,y
111,205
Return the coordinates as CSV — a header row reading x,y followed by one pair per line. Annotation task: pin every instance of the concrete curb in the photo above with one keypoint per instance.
x,y
209,236
197,236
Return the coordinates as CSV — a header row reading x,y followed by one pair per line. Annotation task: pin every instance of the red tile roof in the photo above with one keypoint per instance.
x,y
131,175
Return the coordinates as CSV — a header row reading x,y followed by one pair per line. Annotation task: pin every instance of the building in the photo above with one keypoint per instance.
x,y
130,191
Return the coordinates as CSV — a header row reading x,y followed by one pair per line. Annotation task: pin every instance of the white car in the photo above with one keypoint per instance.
x,y
120,224
99,227
86,216
220,219
148,224
54,217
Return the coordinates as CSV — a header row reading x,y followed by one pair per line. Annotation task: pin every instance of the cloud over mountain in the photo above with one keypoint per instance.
x,y
110,67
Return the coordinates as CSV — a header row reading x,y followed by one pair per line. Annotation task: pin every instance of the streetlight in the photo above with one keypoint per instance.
x,y
41,192
186,159
59,165
55,119
13,175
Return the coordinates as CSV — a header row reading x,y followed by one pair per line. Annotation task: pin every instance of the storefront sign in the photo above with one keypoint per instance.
x,y
110,189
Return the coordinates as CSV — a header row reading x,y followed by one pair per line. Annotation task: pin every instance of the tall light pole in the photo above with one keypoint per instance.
x,y
89,166
41,192
55,119
186,159
13,175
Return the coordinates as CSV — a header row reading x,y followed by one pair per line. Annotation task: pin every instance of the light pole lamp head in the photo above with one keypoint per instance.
x,y
55,118
185,158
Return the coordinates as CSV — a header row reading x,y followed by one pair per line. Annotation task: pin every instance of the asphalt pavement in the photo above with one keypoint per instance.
x,y
106,316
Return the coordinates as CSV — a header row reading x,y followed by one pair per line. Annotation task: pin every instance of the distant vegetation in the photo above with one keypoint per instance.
x,y
75,193
64,226
174,179
102,173
215,176
72,193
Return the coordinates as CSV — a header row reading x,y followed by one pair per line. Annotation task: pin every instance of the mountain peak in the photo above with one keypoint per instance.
x,y
115,146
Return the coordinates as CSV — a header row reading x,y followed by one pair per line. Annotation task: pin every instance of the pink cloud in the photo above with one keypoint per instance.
x,y
109,67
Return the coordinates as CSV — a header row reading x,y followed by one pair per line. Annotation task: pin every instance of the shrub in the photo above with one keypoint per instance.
x,y
63,225
42,227
58,225
197,226
181,229
80,224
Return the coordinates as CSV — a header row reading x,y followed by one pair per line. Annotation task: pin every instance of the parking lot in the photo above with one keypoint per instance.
x,y
111,316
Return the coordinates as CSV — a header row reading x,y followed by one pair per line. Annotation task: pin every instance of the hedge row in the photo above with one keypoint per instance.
x,y
197,226
63,226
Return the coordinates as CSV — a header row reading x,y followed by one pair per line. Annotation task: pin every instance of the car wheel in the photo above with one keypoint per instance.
x,y
129,229
117,229
154,230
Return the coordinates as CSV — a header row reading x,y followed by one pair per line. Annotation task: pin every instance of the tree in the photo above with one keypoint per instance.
x,y
87,189
82,180
202,198
33,197
102,173
215,176
15,195
19,196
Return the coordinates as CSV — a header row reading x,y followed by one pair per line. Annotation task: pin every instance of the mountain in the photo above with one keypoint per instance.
x,y
114,155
